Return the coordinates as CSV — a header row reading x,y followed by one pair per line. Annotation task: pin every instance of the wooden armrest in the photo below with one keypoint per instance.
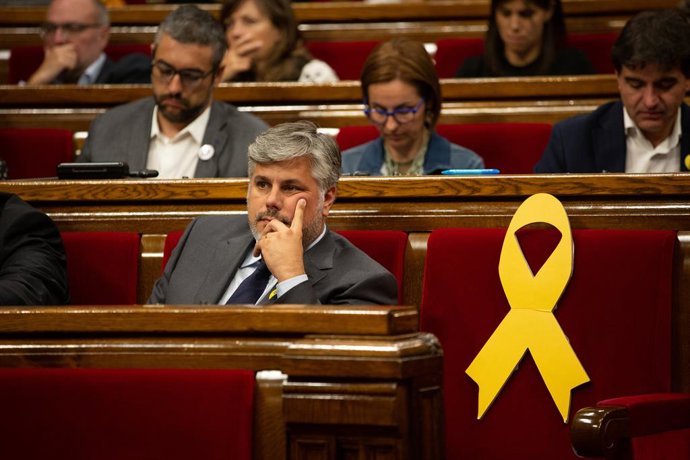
x,y
606,430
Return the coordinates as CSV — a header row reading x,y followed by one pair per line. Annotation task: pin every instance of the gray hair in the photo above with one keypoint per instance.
x,y
298,139
191,25
102,11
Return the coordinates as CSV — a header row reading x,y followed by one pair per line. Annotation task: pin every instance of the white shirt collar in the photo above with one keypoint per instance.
x,y
667,144
91,73
196,128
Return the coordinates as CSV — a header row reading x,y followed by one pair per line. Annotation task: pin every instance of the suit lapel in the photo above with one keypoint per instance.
x,y
608,137
222,267
684,136
215,135
140,139
319,259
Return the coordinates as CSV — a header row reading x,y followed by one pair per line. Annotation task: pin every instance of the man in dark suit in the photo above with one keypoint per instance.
x,y
293,176
648,130
180,131
74,36
33,267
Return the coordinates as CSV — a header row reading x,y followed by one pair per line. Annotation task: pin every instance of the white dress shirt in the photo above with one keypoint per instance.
x,y
642,157
177,158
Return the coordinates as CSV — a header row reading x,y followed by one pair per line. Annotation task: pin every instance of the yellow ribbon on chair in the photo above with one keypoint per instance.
x,y
530,323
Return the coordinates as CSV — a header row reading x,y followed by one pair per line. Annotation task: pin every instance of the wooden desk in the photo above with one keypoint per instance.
x,y
356,380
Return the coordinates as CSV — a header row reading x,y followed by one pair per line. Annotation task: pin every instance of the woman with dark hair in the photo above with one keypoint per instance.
x,y
264,44
402,98
525,37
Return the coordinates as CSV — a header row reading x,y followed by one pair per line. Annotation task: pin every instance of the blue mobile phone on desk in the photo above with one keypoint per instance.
x,y
470,172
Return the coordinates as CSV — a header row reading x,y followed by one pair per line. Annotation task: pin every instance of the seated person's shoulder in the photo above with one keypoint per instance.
x,y
571,61
134,68
472,67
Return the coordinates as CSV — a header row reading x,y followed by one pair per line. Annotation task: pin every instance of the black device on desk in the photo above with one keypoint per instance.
x,y
103,170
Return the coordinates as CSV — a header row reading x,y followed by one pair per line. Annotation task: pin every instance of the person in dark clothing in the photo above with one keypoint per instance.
x,y
33,266
525,37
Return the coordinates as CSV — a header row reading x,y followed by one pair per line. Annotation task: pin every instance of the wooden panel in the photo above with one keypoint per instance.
x,y
148,319
287,93
352,11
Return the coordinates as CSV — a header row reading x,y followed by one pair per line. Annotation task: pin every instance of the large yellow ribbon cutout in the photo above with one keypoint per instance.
x,y
530,323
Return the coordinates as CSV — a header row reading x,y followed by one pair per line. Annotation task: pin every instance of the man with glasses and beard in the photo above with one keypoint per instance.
x,y
180,131
75,34
281,251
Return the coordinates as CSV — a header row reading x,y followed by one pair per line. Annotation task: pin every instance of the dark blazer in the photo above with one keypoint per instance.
x,y
595,142
213,247
33,266
131,68
123,134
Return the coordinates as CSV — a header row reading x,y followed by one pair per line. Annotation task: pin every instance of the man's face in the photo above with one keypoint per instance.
x,y
652,97
82,29
273,193
180,99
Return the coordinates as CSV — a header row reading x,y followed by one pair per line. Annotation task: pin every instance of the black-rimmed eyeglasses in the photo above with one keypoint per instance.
x,y
68,28
189,78
401,115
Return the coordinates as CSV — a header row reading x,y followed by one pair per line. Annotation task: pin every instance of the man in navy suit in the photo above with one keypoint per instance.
x,y
647,131
74,36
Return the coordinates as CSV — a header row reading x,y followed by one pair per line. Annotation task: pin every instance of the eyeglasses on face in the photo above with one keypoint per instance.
x,y
189,78
401,115
68,28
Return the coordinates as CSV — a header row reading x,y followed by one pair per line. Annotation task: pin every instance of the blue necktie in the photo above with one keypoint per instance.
x,y
249,290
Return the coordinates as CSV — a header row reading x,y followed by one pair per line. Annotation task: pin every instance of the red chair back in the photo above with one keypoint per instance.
x,y
387,247
24,60
615,313
452,52
102,267
346,58
35,152
141,414
597,47
352,136
513,148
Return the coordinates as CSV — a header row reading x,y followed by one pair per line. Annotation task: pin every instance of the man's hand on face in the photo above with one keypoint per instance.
x,y
281,246
57,59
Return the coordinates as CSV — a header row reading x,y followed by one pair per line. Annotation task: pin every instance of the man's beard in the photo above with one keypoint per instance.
x,y
186,115
310,231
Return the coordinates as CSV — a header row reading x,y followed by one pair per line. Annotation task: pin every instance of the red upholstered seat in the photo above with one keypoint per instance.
x,y
387,247
24,60
513,148
102,267
35,152
616,313
451,52
346,58
133,414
